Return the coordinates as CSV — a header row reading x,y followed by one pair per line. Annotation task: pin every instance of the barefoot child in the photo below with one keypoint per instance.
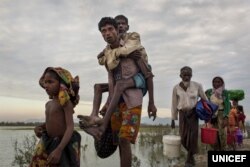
x,y
59,144
241,118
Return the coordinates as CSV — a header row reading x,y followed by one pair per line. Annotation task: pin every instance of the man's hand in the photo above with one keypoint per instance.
x,y
152,110
136,55
173,124
101,54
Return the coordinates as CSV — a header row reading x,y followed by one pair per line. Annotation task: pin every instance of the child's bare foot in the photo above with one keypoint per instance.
x,y
83,124
102,128
87,121
94,131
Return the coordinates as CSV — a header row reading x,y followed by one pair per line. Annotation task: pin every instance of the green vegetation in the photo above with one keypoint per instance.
x,y
136,162
149,141
24,151
33,124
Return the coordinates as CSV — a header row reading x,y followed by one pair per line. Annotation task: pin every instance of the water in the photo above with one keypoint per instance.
x,y
7,138
148,153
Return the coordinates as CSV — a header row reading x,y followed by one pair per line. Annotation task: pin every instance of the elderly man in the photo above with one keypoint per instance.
x,y
184,99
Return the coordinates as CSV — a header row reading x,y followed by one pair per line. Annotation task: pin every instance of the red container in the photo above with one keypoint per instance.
x,y
209,135
231,138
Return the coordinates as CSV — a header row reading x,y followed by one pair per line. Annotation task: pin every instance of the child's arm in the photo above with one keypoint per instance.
x,y
55,156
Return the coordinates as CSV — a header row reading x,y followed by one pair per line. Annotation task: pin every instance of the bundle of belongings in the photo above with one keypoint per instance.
x,y
205,110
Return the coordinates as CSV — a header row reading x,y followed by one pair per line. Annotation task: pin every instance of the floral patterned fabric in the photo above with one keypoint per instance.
x,y
70,155
125,123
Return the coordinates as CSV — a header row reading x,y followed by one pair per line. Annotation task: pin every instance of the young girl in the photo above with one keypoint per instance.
x,y
241,118
59,144
233,118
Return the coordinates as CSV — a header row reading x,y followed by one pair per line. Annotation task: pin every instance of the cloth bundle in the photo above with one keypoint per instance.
x,y
205,109
105,147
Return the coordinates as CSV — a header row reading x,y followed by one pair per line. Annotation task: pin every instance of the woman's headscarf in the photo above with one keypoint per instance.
x,y
218,91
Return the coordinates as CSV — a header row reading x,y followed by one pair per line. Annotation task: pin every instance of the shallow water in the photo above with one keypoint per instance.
x,y
148,152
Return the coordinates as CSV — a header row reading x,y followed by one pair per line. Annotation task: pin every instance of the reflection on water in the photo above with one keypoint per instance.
x,y
147,152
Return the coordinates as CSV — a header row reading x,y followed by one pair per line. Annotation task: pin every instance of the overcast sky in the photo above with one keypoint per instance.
x,y
211,36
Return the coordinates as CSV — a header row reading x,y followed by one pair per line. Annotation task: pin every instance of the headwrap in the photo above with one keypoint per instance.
x,y
66,87
218,92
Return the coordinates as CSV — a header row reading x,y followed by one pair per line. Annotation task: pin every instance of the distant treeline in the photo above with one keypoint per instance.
x,y
20,123
150,126
76,124
23,123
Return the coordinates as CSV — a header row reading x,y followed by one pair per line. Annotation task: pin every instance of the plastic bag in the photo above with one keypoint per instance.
x,y
245,135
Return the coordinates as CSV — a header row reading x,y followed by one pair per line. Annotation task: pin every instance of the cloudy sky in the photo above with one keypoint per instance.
x,y
210,36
